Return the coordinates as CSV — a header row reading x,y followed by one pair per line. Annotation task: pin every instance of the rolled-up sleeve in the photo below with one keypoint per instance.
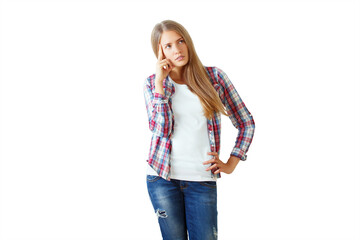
x,y
158,111
240,116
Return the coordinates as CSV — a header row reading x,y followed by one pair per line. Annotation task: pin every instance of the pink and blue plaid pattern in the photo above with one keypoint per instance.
x,y
161,120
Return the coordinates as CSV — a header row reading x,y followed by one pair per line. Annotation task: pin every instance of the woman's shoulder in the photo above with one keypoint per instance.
x,y
214,70
213,73
218,77
210,69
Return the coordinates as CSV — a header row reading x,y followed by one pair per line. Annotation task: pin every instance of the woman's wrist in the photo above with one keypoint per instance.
x,y
158,87
232,162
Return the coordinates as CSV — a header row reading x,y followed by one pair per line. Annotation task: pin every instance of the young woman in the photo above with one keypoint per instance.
x,y
184,102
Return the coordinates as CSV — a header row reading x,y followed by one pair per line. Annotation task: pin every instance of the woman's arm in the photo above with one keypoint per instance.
x,y
158,110
240,116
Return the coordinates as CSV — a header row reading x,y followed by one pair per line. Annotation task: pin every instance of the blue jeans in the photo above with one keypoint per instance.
x,y
184,206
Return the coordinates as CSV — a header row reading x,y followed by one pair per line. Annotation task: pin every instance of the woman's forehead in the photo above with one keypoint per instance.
x,y
169,37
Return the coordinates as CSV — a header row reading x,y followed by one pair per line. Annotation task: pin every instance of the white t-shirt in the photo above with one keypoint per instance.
x,y
190,140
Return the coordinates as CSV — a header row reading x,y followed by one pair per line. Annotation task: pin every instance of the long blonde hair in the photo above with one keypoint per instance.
x,y
196,77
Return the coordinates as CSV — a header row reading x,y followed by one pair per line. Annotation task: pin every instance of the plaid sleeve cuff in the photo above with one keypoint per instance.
x,y
159,98
237,152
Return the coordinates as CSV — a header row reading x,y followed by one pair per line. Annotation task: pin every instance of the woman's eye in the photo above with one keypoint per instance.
x,y
170,46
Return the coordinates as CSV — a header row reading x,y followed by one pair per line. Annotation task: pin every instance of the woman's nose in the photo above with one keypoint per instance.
x,y
176,49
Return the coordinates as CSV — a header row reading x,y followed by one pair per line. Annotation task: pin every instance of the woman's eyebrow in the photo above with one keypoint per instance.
x,y
169,43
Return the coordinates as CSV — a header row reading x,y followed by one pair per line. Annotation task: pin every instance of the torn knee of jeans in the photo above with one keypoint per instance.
x,y
215,232
161,213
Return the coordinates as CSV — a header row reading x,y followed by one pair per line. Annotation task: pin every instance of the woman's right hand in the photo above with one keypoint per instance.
x,y
163,66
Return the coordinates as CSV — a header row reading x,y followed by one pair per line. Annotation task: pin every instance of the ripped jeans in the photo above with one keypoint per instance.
x,y
184,207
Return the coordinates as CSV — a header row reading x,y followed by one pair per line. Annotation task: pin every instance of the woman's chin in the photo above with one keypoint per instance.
x,y
180,64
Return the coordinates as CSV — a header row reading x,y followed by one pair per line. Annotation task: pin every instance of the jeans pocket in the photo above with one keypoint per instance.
x,y
152,178
210,184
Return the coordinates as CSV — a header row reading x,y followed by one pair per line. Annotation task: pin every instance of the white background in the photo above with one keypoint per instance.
x,y
74,130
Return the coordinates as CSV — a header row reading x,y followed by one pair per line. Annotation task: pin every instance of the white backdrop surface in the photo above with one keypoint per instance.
x,y
74,131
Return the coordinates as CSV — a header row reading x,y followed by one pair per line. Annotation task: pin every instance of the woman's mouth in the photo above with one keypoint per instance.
x,y
180,58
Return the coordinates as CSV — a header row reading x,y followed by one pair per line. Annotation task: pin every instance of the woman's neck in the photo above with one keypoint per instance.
x,y
177,75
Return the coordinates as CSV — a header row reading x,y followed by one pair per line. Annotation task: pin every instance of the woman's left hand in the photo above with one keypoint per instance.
x,y
218,166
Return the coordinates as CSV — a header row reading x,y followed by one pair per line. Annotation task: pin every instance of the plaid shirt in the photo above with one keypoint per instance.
x,y
161,121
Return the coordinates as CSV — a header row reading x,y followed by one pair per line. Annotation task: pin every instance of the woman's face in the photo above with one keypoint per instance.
x,y
174,46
